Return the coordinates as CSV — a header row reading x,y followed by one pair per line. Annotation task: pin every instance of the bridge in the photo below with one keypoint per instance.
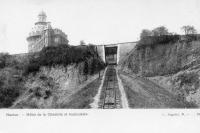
x,y
113,53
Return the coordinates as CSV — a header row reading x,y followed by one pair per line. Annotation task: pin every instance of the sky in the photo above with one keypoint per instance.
x,y
94,21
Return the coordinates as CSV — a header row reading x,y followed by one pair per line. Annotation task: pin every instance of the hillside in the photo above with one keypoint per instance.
x,y
125,48
162,57
49,78
170,61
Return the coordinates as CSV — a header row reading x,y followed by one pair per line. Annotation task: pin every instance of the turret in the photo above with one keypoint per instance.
x,y
34,39
42,17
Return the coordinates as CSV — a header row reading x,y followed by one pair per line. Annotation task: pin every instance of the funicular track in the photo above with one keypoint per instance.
x,y
110,96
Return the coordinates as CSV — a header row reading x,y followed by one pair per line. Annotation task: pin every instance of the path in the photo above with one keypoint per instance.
x,y
111,94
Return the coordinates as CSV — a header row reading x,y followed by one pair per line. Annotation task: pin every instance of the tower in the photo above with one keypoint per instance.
x,y
35,38
42,17
48,35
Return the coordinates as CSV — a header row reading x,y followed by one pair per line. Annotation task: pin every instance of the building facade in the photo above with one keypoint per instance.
x,y
43,35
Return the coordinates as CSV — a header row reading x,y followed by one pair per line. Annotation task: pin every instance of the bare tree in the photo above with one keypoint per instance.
x,y
159,31
188,29
145,33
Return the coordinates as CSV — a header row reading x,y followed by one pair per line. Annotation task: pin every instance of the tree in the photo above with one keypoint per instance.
x,y
188,29
145,33
82,42
159,31
4,59
173,33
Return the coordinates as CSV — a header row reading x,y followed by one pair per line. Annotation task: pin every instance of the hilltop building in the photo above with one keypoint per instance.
x,y
43,35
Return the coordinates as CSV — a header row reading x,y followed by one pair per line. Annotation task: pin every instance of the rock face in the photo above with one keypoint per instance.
x,y
184,84
174,66
162,59
52,87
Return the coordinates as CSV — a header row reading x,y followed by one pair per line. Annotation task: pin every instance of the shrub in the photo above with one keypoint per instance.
x,y
93,66
155,40
62,55
3,59
192,37
32,68
37,92
48,94
8,95
188,78
86,68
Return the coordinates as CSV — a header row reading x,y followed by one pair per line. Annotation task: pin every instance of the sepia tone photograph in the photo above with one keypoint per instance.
x,y
92,54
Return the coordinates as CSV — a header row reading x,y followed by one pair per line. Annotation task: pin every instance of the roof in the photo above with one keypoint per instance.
x,y
42,13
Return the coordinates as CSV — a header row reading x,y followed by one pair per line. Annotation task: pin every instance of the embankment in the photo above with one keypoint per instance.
x,y
173,62
50,78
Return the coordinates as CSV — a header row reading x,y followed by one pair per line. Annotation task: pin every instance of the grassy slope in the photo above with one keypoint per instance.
x,y
142,93
20,67
11,79
83,98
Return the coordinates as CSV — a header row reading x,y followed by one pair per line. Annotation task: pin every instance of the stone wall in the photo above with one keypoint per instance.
x,y
101,52
52,86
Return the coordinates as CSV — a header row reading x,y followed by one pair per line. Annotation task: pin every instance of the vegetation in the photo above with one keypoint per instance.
x,y
83,98
8,95
189,79
13,72
82,42
153,40
4,59
188,29
65,55
145,33
160,35
11,81
160,31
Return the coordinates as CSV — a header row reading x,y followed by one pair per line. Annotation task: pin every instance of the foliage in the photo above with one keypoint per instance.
x,y
153,40
188,29
191,37
86,67
82,42
93,66
7,60
160,31
10,87
160,35
8,95
3,59
145,33
188,78
62,55
11,80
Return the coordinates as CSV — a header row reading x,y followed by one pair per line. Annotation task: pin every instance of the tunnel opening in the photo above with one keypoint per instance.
x,y
111,55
